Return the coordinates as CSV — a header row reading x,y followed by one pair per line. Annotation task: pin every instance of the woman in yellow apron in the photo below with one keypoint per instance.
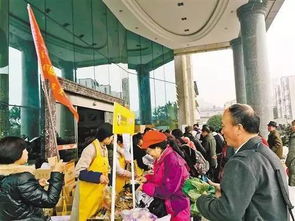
x,y
92,170
123,175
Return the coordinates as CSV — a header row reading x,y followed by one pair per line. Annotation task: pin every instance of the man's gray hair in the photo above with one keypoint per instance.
x,y
245,115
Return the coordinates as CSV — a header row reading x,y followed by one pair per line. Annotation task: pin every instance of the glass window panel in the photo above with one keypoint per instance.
x,y
133,94
59,36
171,92
125,86
102,74
169,71
113,38
85,77
133,50
153,92
116,81
15,76
84,51
100,32
160,93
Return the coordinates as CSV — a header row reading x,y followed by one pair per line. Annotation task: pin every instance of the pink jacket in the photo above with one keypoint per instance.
x,y
170,173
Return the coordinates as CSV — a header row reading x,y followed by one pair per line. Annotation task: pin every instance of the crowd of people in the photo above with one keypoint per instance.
x,y
244,168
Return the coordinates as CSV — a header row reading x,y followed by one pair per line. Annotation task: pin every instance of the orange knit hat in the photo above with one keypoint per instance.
x,y
152,137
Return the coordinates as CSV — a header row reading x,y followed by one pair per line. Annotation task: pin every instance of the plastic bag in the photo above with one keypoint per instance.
x,y
137,214
194,188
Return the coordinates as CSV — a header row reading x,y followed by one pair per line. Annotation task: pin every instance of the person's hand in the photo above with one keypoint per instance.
x,y
127,161
43,182
141,179
217,188
139,188
58,167
104,179
151,172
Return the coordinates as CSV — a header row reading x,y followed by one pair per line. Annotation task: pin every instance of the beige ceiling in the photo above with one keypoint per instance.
x,y
185,25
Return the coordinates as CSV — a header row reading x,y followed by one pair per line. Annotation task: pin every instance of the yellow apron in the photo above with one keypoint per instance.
x,y
92,194
138,170
121,180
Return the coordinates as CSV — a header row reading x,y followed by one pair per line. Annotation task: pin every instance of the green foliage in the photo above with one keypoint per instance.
x,y
14,121
285,131
166,116
215,122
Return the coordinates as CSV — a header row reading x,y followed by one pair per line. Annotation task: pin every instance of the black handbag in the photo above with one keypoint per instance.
x,y
158,208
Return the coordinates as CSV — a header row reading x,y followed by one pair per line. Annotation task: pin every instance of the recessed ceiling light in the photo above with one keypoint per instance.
x,y
180,4
186,30
184,18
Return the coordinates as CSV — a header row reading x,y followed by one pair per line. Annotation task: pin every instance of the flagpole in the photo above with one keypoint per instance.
x,y
132,172
51,125
113,205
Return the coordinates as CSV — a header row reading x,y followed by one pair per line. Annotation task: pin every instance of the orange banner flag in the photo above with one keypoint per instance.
x,y
47,68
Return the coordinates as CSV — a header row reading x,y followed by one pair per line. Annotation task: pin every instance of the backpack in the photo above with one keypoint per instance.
x,y
195,159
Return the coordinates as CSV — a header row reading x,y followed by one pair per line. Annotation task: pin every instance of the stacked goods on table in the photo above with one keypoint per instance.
x,y
123,202
64,205
194,188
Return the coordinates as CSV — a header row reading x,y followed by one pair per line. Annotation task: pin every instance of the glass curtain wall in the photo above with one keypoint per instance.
x,y
87,44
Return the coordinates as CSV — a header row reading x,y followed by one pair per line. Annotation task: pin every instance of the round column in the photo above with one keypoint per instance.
x,y
30,111
257,76
238,58
67,128
144,90
4,78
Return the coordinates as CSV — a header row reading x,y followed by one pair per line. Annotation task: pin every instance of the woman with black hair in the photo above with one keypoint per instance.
x,y
138,154
21,195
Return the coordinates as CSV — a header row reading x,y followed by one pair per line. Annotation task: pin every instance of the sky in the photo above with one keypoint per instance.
x,y
214,71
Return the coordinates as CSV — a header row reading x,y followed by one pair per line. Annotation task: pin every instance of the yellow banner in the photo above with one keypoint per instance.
x,y
123,120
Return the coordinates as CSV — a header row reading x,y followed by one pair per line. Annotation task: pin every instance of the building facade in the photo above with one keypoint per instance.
x,y
284,94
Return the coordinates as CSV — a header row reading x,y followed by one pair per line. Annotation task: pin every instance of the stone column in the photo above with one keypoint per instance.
x,y
4,79
239,70
144,93
185,90
30,111
257,76
67,128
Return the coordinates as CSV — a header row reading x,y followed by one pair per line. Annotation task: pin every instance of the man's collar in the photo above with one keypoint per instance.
x,y
250,144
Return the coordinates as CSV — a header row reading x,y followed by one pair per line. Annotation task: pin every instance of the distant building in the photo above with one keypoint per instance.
x,y
284,93
197,112
125,90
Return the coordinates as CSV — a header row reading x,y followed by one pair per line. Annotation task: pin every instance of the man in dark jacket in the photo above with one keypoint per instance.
x,y
209,144
274,139
249,189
